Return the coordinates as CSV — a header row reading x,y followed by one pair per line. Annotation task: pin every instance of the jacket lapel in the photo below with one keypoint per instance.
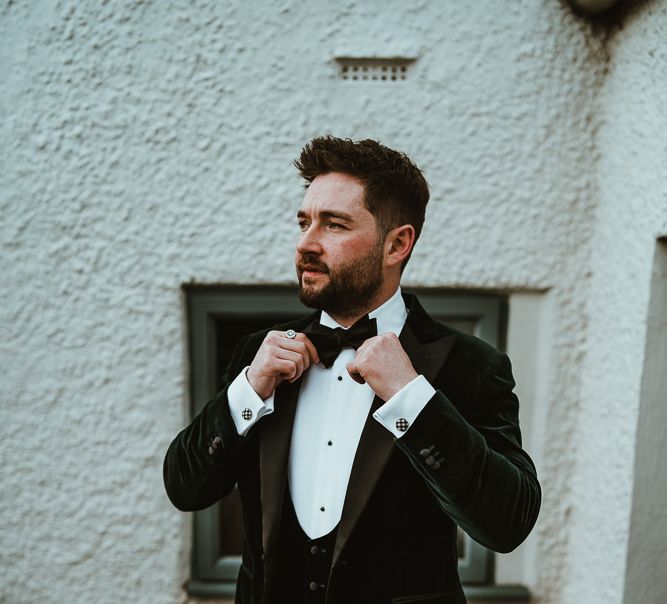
x,y
377,443
275,435
274,445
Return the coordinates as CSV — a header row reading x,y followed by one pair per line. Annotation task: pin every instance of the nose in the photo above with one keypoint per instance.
x,y
308,242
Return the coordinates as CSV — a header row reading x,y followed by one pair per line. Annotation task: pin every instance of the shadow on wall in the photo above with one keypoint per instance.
x,y
606,17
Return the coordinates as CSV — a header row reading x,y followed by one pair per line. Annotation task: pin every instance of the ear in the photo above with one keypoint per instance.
x,y
398,243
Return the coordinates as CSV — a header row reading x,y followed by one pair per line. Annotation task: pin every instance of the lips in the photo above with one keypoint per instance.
x,y
311,270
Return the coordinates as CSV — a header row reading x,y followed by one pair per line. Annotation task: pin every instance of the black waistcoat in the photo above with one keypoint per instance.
x,y
303,564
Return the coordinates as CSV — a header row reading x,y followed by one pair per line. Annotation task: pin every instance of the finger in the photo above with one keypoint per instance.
x,y
353,370
287,370
301,343
308,350
294,356
357,378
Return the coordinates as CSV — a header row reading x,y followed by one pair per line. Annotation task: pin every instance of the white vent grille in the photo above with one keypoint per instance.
x,y
373,69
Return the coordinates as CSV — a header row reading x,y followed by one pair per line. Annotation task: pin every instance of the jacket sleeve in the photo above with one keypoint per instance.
x,y
201,463
474,465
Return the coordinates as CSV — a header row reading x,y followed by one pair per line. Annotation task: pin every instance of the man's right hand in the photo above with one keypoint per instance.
x,y
280,358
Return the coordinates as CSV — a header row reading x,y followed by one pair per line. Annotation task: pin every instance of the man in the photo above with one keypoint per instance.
x,y
361,435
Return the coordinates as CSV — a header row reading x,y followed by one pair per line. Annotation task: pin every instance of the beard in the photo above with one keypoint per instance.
x,y
350,286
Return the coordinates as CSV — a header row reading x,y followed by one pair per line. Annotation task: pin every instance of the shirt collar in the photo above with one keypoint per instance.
x,y
390,315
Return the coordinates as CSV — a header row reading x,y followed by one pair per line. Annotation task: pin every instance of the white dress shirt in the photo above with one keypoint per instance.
x,y
331,412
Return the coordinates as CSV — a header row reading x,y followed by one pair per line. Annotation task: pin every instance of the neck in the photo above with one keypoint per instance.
x,y
383,294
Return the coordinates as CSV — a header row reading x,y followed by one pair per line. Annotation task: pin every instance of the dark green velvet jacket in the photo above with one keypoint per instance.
x,y
396,541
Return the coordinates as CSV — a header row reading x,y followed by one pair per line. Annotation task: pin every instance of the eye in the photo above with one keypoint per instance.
x,y
303,224
335,226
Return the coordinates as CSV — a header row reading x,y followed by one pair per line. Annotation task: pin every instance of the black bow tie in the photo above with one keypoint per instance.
x,y
329,342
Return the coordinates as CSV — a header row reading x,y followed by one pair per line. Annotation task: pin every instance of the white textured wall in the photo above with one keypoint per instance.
x,y
631,215
149,144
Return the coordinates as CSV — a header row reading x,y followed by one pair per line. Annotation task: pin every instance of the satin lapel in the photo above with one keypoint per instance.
x,y
274,444
377,443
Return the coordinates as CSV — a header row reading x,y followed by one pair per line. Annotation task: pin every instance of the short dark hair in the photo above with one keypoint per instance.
x,y
396,191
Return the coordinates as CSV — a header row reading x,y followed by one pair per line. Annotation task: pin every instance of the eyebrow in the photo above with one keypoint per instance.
x,y
329,214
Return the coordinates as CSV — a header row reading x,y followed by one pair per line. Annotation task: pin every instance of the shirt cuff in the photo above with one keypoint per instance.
x,y
245,404
402,409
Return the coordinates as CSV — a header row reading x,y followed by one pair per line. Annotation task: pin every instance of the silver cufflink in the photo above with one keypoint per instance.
x,y
402,424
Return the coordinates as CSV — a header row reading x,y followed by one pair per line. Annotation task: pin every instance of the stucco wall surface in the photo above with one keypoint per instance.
x,y
631,215
149,144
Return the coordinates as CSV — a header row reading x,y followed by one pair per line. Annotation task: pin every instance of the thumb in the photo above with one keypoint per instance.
x,y
353,370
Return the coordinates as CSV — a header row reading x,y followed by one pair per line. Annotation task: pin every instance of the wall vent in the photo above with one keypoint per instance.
x,y
374,69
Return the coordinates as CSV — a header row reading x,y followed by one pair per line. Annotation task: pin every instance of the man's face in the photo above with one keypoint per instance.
x,y
339,257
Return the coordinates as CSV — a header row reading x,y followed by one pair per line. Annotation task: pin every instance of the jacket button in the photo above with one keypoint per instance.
x,y
314,550
425,452
436,465
312,586
430,460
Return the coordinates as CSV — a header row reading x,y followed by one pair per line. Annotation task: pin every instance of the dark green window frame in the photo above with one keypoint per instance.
x,y
214,575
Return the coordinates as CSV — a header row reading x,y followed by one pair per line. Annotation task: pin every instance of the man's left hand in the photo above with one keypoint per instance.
x,y
382,362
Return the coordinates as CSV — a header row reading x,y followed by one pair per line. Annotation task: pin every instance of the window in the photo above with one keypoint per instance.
x,y
217,318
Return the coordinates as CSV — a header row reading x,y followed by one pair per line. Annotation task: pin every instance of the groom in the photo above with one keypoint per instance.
x,y
361,435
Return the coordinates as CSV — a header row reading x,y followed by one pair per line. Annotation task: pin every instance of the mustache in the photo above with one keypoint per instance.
x,y
307,264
